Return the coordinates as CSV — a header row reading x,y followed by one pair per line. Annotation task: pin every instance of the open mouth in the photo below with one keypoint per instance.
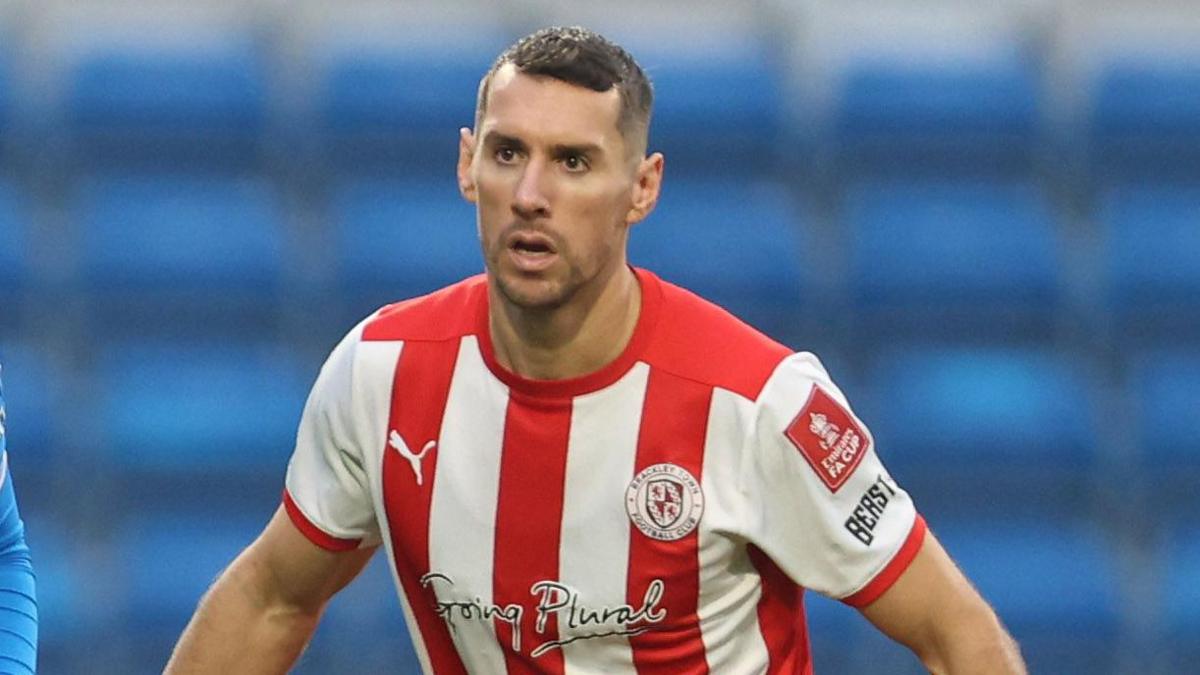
x,y
531,252
532,244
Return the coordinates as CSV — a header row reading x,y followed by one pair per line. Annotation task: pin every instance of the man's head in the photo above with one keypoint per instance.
x,y
556,165
578,56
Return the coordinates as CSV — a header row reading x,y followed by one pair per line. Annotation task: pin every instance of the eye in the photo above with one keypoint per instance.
x,y
575,163
506,155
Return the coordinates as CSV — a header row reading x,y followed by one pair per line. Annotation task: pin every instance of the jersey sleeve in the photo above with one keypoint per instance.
x,y
824,508
328,495
18,596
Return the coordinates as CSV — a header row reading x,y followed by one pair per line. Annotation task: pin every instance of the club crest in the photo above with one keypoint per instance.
x,y
665,502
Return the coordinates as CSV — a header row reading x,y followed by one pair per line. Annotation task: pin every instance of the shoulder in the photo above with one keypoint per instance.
x,y
699,340
795,382
445,314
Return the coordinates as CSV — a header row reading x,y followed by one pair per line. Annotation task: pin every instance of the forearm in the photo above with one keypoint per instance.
x,y
979,645
934,611
239,628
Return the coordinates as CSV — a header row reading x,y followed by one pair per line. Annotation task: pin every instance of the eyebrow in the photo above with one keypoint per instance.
x,y
496,138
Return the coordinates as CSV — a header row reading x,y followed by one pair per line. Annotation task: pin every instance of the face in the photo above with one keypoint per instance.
x,y
556,188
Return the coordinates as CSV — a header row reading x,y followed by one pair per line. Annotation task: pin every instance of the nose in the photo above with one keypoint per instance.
x,y
530,200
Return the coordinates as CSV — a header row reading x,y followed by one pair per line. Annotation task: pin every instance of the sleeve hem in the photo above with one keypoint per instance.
x,y
313,533
892,571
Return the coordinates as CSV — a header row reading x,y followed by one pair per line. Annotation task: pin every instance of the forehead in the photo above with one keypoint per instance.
x,y
540,108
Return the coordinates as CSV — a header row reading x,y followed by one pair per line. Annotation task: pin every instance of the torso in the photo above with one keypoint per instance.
x,y
536,525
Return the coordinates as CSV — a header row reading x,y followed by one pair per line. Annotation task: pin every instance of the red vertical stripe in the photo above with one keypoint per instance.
x,y
673,429
419,391
533,468
781,619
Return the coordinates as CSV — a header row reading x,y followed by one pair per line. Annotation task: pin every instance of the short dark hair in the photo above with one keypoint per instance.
x,y
584,58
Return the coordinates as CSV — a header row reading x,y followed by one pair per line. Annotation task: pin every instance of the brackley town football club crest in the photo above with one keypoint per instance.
x,y
664,501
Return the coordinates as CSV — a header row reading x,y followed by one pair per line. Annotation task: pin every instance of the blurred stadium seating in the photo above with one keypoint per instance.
x,y
1056,583
1153,262
14,256
984,430
163,253
751,233
399,238
952,260
1179,593
126,103
167,561
985,219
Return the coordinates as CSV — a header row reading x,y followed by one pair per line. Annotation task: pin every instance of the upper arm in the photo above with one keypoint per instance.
x,y
829,514
918,599
325,530
329,476
286,569
819,501
933,609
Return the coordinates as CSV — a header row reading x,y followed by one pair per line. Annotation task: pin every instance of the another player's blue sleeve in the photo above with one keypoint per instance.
x,y
18,601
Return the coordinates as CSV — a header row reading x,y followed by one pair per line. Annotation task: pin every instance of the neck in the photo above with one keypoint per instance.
x,y
580,337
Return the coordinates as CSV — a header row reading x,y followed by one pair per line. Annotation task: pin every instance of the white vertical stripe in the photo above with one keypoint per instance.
x,y
730,587
374,372
594,548
465,495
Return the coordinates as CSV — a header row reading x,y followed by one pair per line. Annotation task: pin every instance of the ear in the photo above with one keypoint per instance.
x,y
466,157
646,186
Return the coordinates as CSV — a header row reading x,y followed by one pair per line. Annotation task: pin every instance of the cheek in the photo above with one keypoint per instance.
x,y
492,214
603,222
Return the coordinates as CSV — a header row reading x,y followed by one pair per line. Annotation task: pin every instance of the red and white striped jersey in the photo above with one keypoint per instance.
x,y
661,515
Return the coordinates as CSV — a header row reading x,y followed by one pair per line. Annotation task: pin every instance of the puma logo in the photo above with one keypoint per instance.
x,y
414,460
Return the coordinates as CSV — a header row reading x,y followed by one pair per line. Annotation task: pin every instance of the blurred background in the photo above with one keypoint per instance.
x,y
984,217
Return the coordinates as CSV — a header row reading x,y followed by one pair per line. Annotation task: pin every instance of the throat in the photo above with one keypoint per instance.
x,y
568,341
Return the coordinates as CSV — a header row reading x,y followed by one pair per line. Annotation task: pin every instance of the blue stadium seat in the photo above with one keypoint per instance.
x,y
1166,387
33,388
195,410
213,233
14,245
403,105
404,92
1145,117
180,253
1162,399
169,559
398,239
897,116
1153,261
1179,593
1056,585
957,259
996,429
6,96
720,113
69,623
136,102
739,244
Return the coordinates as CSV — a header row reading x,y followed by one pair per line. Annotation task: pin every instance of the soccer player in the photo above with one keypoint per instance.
x,y
18,600
573,465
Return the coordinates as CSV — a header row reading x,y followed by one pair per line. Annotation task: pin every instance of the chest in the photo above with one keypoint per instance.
x,y
598,504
